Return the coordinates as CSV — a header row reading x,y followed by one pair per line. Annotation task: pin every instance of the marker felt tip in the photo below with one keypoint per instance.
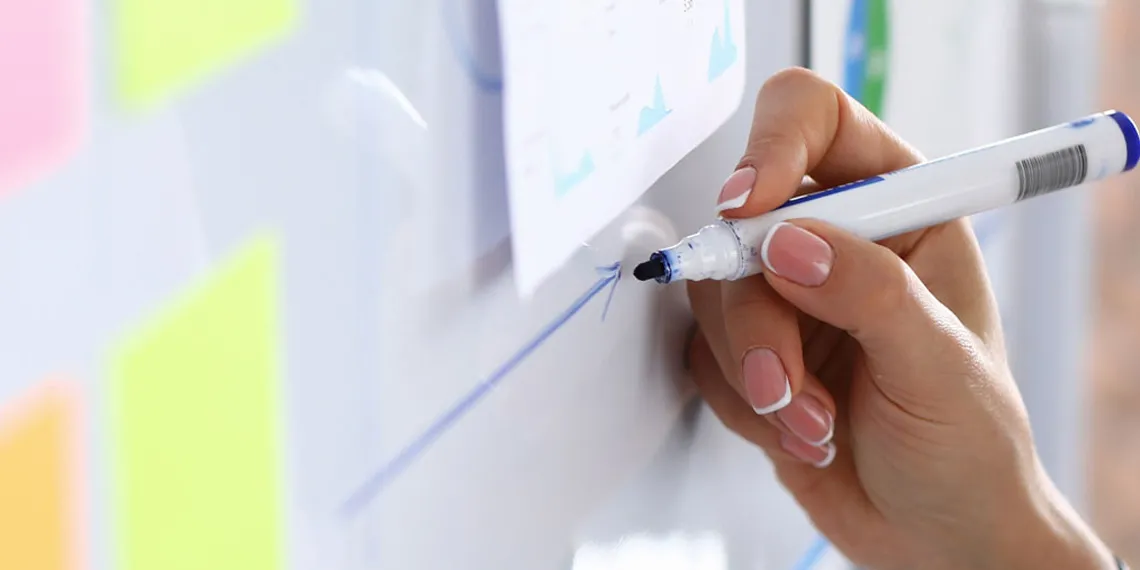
x,y
971,182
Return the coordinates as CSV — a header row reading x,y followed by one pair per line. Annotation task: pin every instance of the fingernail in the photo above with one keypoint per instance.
x,y
736,189
765,381
818,455
797,255
806,417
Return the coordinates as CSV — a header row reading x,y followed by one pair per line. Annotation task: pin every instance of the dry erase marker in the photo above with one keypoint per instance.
x,y
927,194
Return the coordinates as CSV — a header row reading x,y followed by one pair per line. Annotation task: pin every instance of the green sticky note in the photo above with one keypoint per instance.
x,y
196,427
162,46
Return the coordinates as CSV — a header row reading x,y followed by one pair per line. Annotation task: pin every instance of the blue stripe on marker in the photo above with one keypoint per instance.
x,y
824,193
1131,138
1082,123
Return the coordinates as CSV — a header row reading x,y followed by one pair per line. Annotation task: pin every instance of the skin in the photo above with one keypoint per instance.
x,y
901,344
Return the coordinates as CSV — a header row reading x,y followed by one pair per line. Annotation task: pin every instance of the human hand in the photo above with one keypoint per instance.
x,y
874,375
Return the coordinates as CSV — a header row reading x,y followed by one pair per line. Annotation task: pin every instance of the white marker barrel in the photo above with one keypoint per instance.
x,y
923,195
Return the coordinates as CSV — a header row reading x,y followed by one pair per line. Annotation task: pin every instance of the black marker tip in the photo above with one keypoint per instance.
x,y
652,269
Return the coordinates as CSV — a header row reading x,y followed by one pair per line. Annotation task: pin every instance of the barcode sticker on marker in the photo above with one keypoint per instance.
x,y
1058,170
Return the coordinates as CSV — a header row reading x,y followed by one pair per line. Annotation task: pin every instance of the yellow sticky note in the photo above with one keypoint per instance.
x,y
162,46
196,427
39,464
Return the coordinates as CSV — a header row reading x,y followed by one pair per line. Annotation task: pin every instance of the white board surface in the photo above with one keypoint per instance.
x,y
578,442
368,140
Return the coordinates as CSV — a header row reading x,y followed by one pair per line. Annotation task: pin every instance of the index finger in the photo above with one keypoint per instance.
x,y
806,125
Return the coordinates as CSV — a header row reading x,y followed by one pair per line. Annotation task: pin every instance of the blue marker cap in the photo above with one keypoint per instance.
x,y
1131,138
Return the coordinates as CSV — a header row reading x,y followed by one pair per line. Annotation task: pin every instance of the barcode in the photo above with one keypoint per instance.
x,y
1051,172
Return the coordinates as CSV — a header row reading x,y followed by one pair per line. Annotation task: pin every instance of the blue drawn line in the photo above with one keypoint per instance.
x,y
614,269
487,81
813,555
382,478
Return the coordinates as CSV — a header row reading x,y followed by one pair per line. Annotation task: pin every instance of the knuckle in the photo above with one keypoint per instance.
x,y
781,149
774,141
892,290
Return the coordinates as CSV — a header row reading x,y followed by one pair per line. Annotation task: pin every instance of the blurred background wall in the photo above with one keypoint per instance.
x,y
1114,350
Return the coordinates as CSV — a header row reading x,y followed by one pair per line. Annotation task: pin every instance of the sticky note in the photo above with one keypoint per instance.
x,y
42,87
164,46
39,476
196,427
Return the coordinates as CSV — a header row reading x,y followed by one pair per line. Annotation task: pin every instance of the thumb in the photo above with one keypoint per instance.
x,y
868,291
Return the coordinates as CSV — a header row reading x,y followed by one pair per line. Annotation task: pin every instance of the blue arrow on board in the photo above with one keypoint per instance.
x,y
375,484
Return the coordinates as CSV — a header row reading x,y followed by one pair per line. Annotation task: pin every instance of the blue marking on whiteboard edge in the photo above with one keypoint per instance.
x,y
380,479
813,555
823,193
1131,138
486,81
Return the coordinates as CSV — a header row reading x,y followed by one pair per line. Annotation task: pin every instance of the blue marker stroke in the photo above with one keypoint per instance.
x,y
609,277
813,555
614,269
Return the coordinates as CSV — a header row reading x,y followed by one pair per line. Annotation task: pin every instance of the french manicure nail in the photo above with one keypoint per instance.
x,y
819,456
797,255
765,381
736,189
806,418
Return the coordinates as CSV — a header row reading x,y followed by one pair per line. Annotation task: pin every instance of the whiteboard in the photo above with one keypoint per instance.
x,y
592,416
353,148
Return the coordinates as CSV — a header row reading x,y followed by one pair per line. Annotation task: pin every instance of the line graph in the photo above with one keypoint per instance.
x,y
723,53
655,113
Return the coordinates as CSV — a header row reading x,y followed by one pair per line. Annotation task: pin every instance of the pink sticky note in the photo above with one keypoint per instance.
x,y
42,86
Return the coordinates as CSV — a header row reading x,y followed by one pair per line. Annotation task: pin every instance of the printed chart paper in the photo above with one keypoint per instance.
x,y
42,86
196,427
602,98
39,481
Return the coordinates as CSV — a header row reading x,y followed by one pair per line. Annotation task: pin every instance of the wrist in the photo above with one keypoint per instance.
x,y
1050,534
